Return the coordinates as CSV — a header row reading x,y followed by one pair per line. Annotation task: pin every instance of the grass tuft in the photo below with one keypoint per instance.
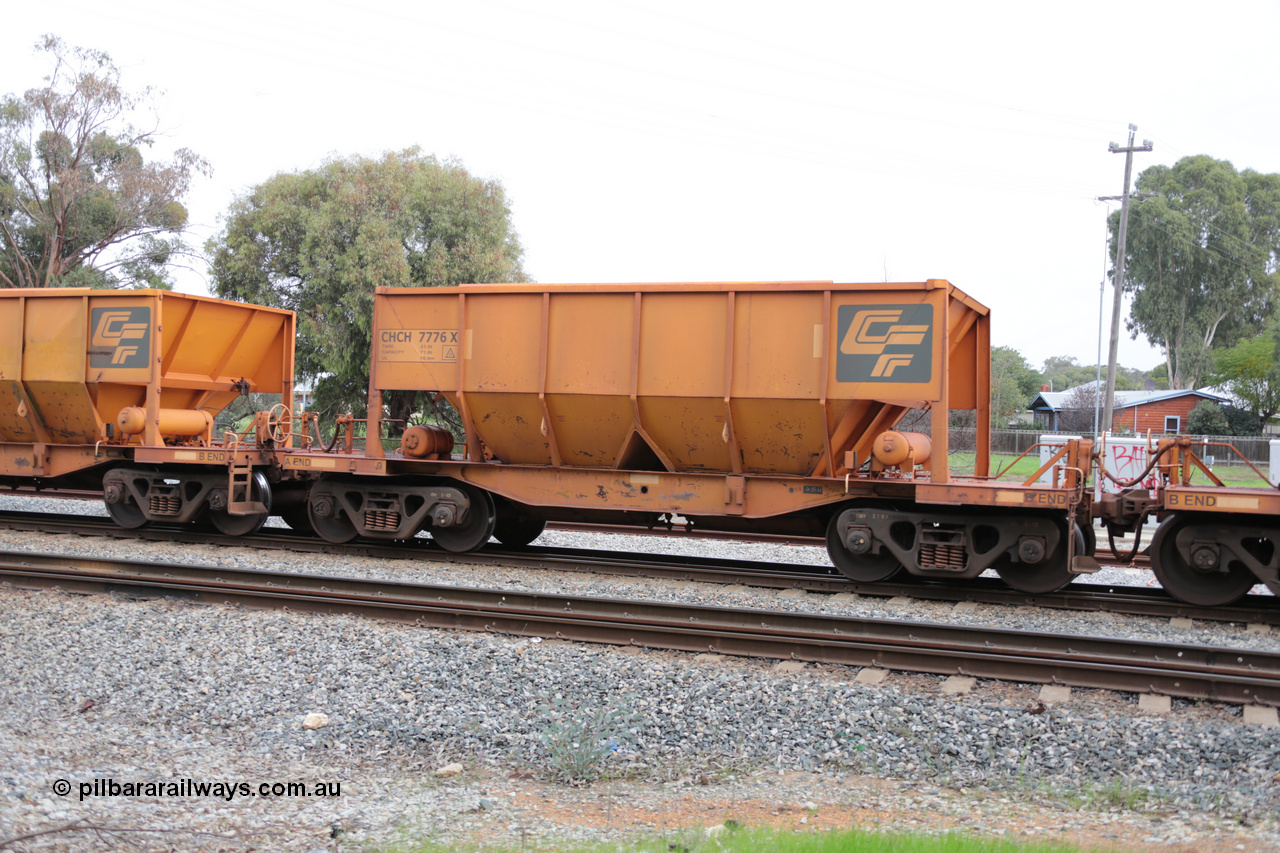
x,y
579,742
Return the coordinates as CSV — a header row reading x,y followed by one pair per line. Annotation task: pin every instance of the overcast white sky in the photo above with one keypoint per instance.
x,y
717,141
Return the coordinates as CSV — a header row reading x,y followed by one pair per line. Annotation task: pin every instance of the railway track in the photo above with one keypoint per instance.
x,y
1186,671
1130,600
1139,560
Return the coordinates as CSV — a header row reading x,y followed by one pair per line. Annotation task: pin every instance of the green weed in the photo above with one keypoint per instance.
x,y
579,742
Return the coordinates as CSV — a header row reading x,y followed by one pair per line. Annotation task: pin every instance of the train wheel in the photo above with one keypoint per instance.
x,y
1210,586
1049,575
517,531
1090,539
328,519
245,525
128,515
864,568
473,532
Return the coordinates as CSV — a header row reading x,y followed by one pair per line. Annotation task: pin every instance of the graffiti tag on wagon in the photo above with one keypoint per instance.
x,y
1129,459
1126,461
418,345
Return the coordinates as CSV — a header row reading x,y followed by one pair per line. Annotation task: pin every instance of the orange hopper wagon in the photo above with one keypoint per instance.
x,y
99,388
770,407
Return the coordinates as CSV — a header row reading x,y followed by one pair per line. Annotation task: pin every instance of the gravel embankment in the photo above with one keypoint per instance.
x,y
95,687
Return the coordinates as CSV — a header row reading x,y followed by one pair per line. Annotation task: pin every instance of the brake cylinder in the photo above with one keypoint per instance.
x,y
173,422
894,449
422,441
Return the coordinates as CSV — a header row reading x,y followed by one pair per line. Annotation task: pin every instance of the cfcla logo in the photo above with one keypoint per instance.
x,y
884,343
872,331
120,337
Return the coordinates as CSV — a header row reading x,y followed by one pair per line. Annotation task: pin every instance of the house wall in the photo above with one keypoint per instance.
x,y
1150,416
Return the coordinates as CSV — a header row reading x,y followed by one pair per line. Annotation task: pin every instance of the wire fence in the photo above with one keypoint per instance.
x,y
1011,442
1015,442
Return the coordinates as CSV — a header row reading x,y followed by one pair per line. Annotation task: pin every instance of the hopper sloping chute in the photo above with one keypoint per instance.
x,y
760,378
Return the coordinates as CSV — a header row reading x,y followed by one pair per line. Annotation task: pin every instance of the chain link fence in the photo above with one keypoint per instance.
x,y
962,438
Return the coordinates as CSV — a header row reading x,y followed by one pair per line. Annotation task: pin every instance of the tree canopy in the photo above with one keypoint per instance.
x,y
1250,370
1063,372
1201,259
1013,384
319,241
79,204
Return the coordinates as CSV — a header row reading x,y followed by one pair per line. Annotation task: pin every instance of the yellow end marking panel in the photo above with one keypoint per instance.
x,y
200,456
418,345
1035,497
1179,500
1039,498
309,462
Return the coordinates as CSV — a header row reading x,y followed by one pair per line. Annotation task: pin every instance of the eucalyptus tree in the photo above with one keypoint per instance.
x,y
1202,260
1013,384
319,241
79,203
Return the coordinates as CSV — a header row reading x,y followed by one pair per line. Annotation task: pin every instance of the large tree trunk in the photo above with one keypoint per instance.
x,y
399,410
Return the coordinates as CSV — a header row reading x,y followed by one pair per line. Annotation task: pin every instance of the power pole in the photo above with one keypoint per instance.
x,y
1128,150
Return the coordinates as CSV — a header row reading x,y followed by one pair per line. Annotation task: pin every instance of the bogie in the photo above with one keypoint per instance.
x,y
1213,560
137,497
870,543
459,516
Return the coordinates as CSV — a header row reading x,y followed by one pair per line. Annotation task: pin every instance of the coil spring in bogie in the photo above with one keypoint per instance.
x,y
381,520
165,504
935,555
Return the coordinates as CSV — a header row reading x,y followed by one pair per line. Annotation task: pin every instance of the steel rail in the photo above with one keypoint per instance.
x,y
1138,601
1139,561
677,531
1188,671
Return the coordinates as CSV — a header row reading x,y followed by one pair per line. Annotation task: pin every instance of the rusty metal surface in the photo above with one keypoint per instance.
x,y
1178,670
738,378
74,358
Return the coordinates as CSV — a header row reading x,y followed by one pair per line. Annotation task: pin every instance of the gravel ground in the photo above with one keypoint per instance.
x,y
165,691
